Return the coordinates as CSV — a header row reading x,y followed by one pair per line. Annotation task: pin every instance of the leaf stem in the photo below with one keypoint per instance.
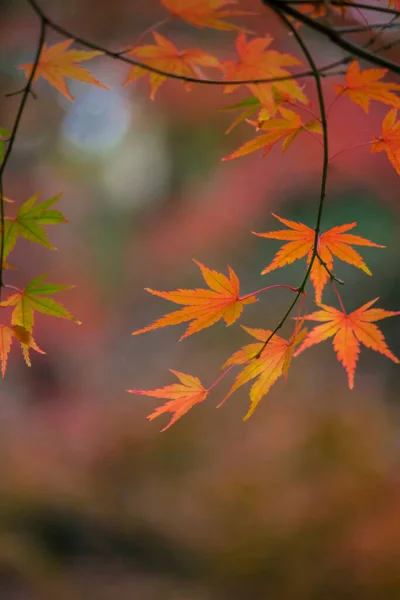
x,y
339,297
265,289
216,382
350,148
327,269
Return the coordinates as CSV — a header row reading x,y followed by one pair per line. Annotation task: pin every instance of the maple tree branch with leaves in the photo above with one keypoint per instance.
x,y
265,74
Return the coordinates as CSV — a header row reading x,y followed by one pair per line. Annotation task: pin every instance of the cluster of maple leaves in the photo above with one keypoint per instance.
x,y
283,111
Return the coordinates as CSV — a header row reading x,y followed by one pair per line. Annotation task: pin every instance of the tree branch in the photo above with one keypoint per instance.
x,y
132,62
25,94
325,160
280,6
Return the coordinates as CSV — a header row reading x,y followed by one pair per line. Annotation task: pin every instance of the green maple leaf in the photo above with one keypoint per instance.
x,y
30,221
35,297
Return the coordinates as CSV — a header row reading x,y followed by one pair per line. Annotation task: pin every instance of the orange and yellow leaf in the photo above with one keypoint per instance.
x,y
164,55
181,397
7,334
364,86
256,62
203,307
348,332
300,243
273,362
389,141
205,13
57,63
286,128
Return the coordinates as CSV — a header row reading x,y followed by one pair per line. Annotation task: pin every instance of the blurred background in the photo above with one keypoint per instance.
x,y
300,502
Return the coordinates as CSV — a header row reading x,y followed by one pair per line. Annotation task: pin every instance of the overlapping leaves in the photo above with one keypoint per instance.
x,y
164,55
23,336
255,61
286,128
265,363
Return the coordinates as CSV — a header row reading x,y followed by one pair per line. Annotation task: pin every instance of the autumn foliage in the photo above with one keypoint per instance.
x,y
278,109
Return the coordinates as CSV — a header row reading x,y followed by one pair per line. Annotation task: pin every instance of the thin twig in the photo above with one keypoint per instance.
x,y
332,276
11,140
339,297
363,28
336,38
266,289
324,173
349,4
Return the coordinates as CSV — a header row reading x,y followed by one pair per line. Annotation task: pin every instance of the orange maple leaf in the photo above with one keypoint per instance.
x,y
182,397
364,86
205,13
334,242
389,141
256,62
273,362
57,62
288,127
349,330
166,57
7,334
204,307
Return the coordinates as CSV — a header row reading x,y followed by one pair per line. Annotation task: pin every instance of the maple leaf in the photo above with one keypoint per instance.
x,y
349,331
166,57
364,86
273,362
288,127
256,62
205,13
29,222
57,62
334,242
204,307
7,334
317,10
389,141
250,105
182,397
34,297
